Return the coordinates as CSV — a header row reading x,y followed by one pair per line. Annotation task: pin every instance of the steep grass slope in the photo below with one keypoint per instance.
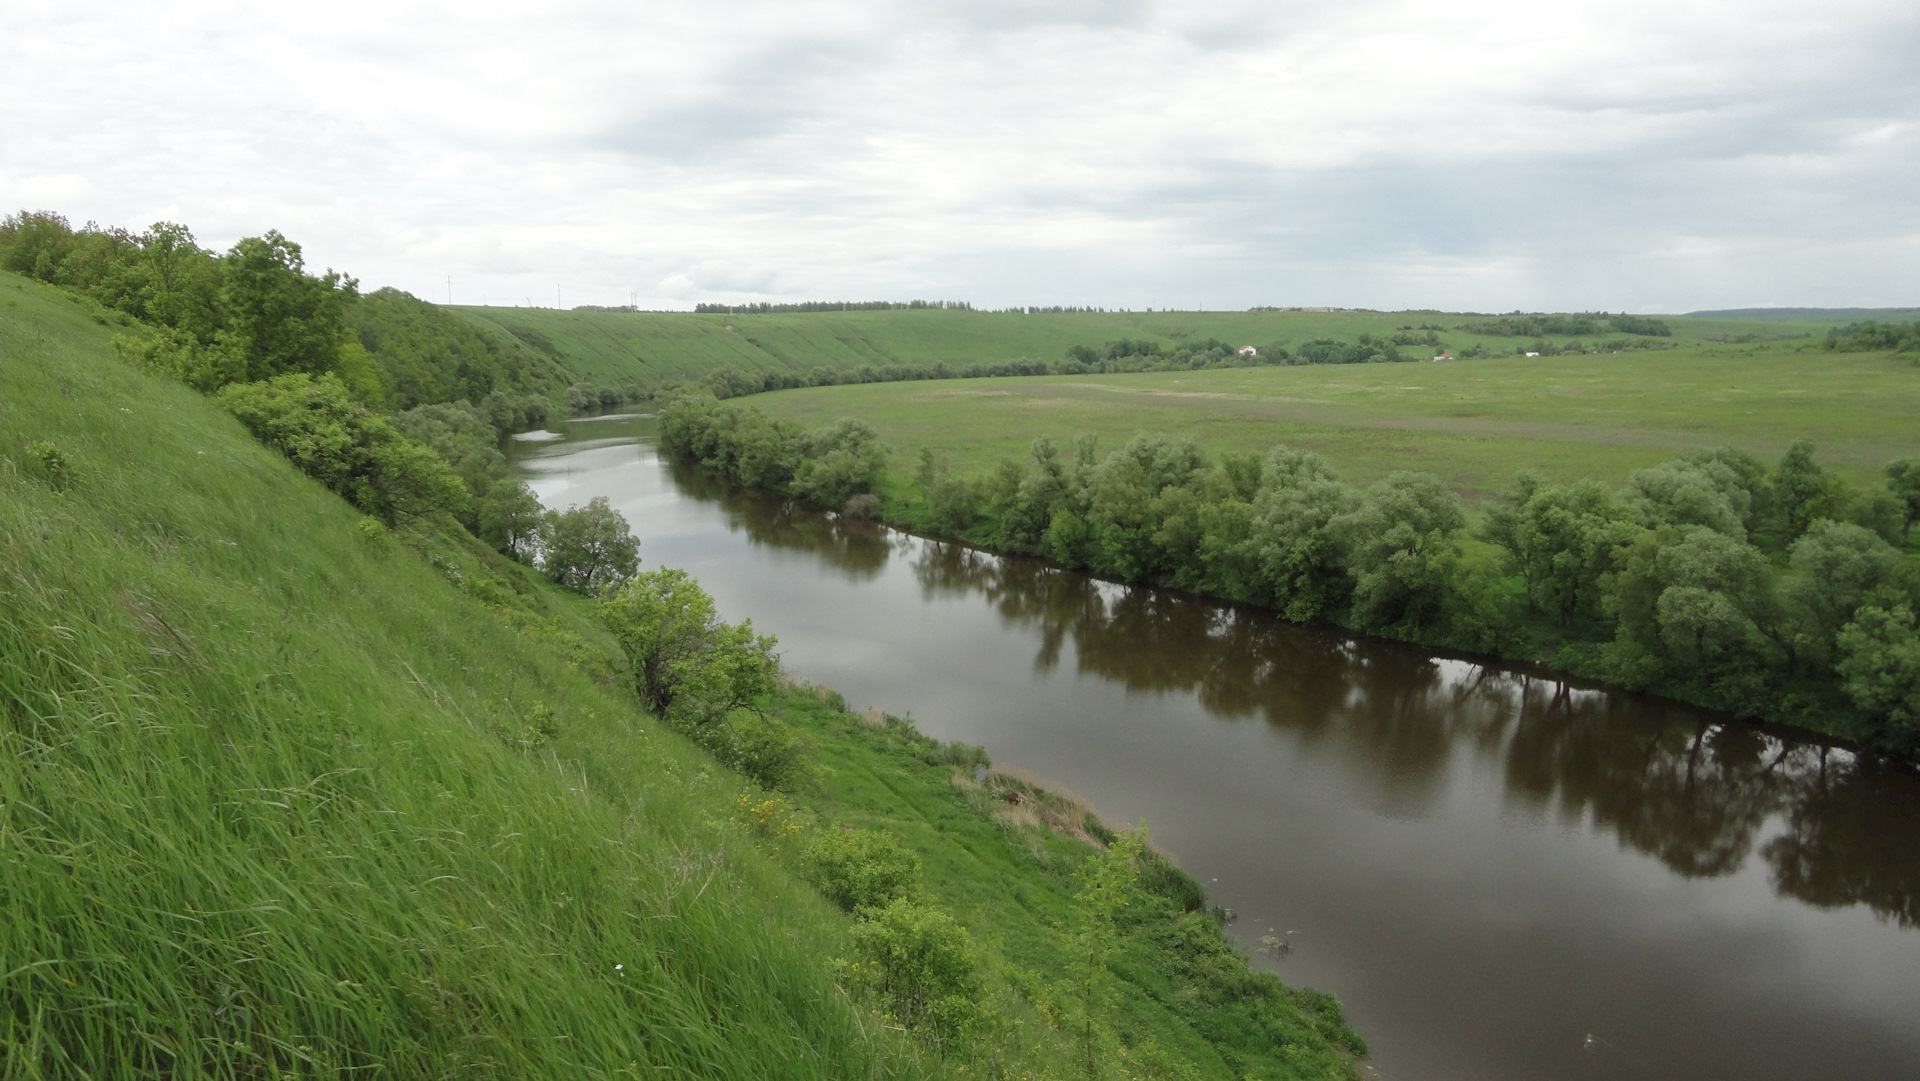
x,y
650,350
275,801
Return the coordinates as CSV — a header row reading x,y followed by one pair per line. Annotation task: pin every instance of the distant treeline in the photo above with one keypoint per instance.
x,y
764,308
1588,324
1874,337
1127,355
1768,589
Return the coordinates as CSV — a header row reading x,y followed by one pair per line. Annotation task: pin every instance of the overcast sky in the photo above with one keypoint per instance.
x,y
1626,154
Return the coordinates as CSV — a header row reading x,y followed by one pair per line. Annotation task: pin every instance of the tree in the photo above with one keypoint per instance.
x,y
1107,886
588,549
509,519
1302,565
1562,539
279,318
1400,551
1805,492
687,664
1903,480
1838,567
1686,492
1880,670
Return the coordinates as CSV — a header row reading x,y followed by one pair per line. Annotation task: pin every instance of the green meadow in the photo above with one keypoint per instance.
x,y
1473,422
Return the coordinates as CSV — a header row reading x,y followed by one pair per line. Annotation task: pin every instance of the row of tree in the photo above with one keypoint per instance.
x,y
1767,589
1581,325
766,308
1874,337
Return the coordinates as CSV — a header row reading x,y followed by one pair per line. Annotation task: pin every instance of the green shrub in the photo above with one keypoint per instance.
x,y
53,464
921,966
860,868
316,423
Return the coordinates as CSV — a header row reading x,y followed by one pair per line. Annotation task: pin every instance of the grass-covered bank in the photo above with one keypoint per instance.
x,y
1006,858
276,799
287,792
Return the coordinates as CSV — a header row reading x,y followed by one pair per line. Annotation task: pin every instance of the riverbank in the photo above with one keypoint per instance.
x,y
1713,578
1407,815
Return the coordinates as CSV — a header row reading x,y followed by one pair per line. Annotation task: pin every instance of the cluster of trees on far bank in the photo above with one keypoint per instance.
x,y
1872,337
1770,589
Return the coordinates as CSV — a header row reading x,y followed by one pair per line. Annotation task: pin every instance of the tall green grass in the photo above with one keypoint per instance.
x,y
265,810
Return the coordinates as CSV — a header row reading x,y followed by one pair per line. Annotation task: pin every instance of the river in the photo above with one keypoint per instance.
x,y
1502,876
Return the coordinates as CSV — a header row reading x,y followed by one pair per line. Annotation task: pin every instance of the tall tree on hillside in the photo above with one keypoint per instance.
x,y
281,319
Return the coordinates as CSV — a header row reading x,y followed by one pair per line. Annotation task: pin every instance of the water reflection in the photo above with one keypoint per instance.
x,y
1697,792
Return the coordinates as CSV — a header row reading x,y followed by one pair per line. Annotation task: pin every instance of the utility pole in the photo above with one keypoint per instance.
x,y
449,291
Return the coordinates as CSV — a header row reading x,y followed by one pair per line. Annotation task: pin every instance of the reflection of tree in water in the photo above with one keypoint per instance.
x,y
1853,837
857,548
1686,789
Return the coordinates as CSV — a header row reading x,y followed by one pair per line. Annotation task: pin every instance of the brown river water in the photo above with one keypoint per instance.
x,y
1503,875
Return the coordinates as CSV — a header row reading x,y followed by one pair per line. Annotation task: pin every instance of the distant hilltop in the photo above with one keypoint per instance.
x,y
1801,315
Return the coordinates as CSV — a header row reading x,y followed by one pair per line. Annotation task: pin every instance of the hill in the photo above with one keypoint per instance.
x,y
286,793
644,352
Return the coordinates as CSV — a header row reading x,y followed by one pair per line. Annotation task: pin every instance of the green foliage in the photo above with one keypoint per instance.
x,y
826,466
280,319
687,663
430,355
1903,482
921,965
1107,887
859,868
52,463
589,549
1880,670
1874,337
319,427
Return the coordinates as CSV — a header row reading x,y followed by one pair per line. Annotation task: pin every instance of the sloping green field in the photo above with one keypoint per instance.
x,y
1474,422
651,350
274,801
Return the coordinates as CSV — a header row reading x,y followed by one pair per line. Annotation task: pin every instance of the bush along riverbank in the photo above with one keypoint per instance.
x,y
1773,590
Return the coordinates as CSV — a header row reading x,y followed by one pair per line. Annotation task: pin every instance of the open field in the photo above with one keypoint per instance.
x,y
650,350
1473,422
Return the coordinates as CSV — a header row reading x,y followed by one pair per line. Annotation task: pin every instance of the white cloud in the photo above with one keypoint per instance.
x,y
1484,155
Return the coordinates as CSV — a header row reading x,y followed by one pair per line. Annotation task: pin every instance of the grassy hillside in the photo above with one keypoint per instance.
x,y
1472,422
650,350
275,800
285,794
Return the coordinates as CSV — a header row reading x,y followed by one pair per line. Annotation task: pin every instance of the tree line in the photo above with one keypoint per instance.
x,y
766,308
1768,589
1871,336
1585,324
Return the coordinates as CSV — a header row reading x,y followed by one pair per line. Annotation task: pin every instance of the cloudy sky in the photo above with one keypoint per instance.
x,y
1626,154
